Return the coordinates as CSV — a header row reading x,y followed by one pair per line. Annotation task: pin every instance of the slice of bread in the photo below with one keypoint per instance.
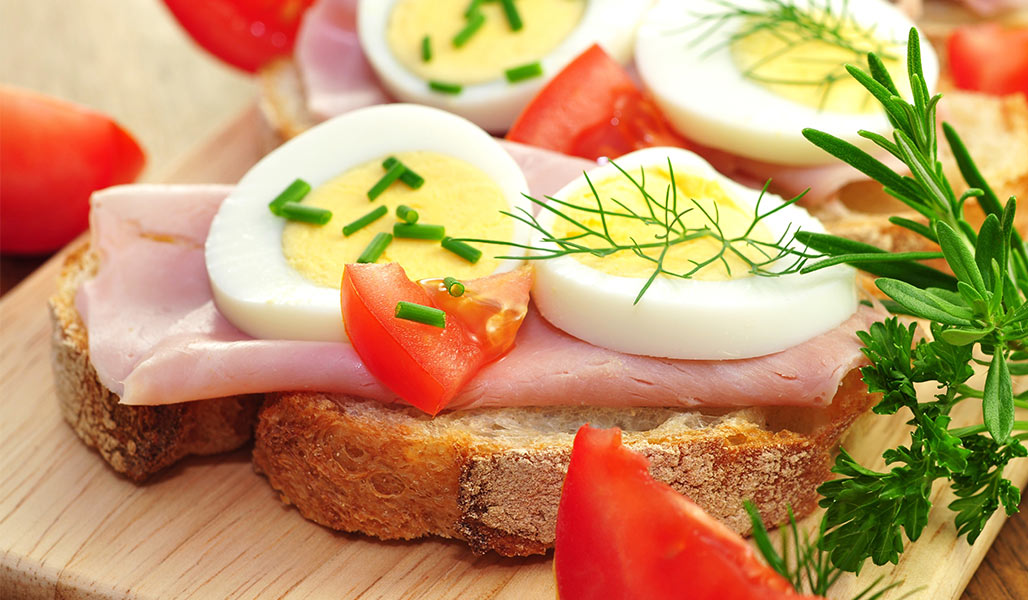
x,y
491,477
137,441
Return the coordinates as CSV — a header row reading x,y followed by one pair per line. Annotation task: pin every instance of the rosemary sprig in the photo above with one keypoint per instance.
x,y
666,227
979,310
795,26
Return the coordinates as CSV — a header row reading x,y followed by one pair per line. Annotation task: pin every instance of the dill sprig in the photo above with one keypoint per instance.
x,y
666,219
981,309
795,26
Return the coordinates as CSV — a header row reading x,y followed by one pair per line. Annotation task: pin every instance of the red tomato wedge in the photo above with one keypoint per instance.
x,y
622,534
53,155
246,34
591,109
423,364
989,58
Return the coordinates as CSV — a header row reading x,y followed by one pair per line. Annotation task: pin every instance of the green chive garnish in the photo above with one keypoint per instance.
x,y
426,49
468,253
421,314
419,232
445,88
523,72
475,21
294,192
351,228
513,18
473,8
407,214
294,211
375,248
454,286
387,180
412,179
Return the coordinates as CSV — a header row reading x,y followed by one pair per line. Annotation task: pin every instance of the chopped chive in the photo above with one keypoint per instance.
x,y
387,180
513,18
426,49
412,179
473,7
421,314
454,286
419,232
475,21
294,211
294,192
468,253
375,248
524,72
445,88
407,214
351,228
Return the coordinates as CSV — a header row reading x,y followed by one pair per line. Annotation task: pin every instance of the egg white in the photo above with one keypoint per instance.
x,y
688,318
253,285
494,105
706,98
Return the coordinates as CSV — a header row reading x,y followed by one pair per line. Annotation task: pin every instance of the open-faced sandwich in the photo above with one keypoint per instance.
x,y
417,317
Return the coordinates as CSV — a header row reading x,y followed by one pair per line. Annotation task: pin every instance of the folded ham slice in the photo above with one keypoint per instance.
x,y
156,337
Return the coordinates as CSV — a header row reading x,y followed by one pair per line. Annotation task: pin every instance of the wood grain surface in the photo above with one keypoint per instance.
x,y
71,528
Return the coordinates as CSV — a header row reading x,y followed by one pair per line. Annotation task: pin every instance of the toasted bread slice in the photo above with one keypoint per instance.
x,y
137,441
492,477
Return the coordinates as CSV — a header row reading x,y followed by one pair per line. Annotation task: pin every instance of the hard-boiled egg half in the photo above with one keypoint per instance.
x,y
746,76
607,232
485,59
279,279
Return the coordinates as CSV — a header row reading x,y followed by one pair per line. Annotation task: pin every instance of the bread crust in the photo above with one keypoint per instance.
x,y
493,477
136,441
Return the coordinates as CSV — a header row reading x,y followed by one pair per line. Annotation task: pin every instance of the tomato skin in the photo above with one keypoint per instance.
x,y
591,109
622,534
53,155
246,34
989,58
423,364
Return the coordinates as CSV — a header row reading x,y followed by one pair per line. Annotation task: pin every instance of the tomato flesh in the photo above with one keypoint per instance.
x,y
246,34
423,364
53,155
989,58
622,534
591,109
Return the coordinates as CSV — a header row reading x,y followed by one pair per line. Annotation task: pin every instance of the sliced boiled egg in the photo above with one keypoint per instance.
x,y
746,76
663,205
279,279
485,59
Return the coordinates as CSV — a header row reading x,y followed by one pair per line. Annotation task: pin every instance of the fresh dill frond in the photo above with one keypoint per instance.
x,y
795,26
665,220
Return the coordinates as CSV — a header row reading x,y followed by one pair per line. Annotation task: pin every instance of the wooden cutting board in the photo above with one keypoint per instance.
x,y
71,528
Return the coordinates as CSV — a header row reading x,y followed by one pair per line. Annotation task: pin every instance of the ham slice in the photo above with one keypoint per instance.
x,y
156,337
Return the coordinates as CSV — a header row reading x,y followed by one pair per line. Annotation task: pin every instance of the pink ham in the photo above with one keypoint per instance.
x,y
156,337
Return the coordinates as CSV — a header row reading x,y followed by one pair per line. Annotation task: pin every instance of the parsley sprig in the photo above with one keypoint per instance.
x,y
979,314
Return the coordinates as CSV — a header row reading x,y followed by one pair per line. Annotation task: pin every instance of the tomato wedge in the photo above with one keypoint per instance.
x,y
423,364
246,34
622,534
989,58
53,155
591,109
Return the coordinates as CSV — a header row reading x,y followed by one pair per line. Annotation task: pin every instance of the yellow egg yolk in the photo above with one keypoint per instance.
x,y
806,64
491,50
702,201
456,194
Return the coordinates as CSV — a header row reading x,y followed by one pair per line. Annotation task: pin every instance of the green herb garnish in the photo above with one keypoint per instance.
x,y
426,49
406,214
294,211
511,12
474,22
375,248
445,88
979,310
408,177
351,228
453,286
524,72
465,251
392,174
421,314
294,192
419,231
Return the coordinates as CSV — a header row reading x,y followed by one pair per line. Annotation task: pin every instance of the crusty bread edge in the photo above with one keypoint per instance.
x,y
136,441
